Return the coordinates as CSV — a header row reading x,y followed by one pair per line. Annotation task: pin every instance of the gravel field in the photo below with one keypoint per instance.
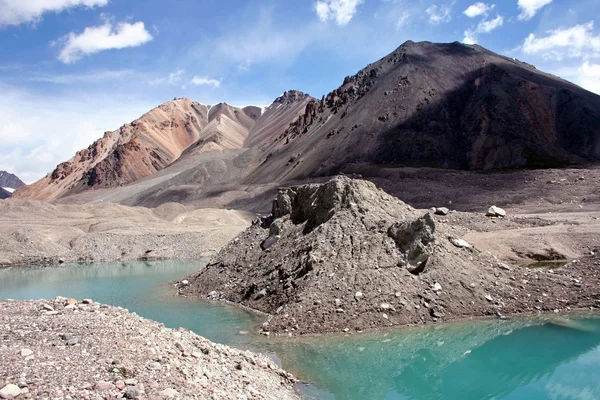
x,y
65,349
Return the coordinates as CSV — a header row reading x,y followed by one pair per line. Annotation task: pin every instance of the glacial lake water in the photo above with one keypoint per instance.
x,y
551,358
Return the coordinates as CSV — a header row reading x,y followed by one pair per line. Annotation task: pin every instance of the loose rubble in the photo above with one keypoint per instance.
x,y
95,351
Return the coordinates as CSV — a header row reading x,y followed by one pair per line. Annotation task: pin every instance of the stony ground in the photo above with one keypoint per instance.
x,y
33,232
63,349
344,257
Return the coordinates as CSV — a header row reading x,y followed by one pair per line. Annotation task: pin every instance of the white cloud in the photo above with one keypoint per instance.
x,y
92,77
203,80
173,78
576,41
485,26
589,77
342,11
263,40
530,7
490,25
477,9
99,38
33,143
16,12
439,14
403,19
470,37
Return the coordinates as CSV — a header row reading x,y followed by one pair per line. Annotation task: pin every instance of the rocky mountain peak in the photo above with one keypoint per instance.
x,y
291,96
11,181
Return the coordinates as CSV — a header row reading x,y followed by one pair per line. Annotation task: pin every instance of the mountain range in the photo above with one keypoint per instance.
x,y
451,106
8,184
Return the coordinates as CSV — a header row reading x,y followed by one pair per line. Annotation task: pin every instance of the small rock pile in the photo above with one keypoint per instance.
x,y
65,349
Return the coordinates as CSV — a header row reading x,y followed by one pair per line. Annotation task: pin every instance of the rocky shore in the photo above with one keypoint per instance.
x,y
344,256
65,349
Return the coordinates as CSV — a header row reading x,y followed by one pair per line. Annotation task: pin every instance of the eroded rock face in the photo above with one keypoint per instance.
x,y
324,243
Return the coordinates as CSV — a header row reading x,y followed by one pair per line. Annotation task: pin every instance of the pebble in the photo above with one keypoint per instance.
x,y
460,243
48,307
132,392
26,352
9,391
358,295
155,366
103,385
169,393
437,287
505,267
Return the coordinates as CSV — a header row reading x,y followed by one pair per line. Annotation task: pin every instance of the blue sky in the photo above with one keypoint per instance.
x,y
72,69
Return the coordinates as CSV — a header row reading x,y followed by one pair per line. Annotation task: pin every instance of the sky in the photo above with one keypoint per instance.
x,y
72,69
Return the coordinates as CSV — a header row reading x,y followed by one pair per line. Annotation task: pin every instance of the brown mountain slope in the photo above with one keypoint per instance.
x,y
227,128
147,145
439,105
175,131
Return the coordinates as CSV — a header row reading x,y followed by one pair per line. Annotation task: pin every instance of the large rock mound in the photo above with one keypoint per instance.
x,y
344,255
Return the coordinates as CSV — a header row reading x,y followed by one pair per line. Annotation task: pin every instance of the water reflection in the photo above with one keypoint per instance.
x,y
485,360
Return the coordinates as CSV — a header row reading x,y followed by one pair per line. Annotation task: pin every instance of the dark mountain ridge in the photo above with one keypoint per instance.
x,y
451,106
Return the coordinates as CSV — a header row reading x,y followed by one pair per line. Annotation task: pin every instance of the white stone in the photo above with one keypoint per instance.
x,y
437,287
9,391
494,211
442,211
459,242
26,352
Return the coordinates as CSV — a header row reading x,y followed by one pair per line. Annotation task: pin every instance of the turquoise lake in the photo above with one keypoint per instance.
x,y
552,358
